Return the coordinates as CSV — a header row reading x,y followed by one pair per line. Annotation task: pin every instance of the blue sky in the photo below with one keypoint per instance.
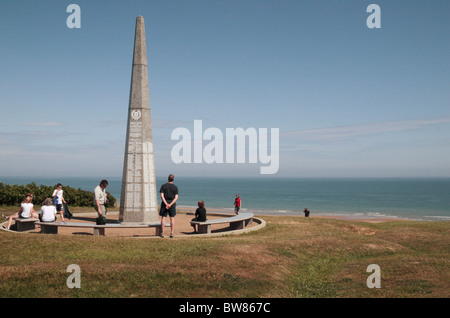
x,y
349,101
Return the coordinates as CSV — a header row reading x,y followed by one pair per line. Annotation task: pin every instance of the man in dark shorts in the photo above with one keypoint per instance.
x,y
169,197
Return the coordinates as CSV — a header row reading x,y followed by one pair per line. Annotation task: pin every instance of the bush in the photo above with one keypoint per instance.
x,y
14,194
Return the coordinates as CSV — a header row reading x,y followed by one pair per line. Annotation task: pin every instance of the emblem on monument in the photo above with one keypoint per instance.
x,y
136,114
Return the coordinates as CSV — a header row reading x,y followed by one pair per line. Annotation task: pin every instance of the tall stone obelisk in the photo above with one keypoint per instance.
x,y
138,201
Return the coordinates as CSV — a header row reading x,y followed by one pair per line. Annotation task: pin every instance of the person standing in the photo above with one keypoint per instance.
x,y
306,211
100,198
59,200
237,204
169,197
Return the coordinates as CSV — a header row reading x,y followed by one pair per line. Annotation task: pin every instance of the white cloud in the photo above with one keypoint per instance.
x,y
343,132
42,124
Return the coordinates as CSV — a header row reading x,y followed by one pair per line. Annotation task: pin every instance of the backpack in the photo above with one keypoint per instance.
x,y
101,220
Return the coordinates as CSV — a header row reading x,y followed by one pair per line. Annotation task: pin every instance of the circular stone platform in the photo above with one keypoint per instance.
x,y
183,229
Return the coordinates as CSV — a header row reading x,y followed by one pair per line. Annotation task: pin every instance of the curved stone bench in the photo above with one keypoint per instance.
x,y
237,222
52,227
26,224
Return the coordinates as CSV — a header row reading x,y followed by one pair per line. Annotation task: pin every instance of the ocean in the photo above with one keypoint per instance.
x,y
404,198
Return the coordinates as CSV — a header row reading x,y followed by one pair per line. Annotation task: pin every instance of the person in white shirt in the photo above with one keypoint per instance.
x,y
60,200
26,210
48,211
100,198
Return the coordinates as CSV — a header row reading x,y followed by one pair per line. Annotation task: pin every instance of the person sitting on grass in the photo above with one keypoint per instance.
x,y
26,210
200,214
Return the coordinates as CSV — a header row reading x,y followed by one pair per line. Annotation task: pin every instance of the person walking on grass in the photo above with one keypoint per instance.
x,y
169,197
59,200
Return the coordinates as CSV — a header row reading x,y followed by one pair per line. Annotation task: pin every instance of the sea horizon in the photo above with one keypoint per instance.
x,y
414,198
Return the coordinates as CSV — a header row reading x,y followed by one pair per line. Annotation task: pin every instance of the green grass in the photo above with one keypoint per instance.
x,y
290,257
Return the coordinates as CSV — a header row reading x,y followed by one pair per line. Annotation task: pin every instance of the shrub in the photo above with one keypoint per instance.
x,y
14,194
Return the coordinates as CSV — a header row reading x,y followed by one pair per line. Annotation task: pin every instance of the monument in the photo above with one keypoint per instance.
x,y
138,200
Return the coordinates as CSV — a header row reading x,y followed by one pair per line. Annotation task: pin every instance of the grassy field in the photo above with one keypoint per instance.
x,y
291,257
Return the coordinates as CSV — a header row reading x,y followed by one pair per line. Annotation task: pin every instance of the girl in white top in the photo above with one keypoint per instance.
x,y
48,211
26,210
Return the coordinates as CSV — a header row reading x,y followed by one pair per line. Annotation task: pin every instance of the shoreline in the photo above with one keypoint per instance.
x,y
330,215
373,217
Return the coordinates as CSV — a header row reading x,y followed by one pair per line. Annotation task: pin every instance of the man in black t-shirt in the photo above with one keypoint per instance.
x,y
169,196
